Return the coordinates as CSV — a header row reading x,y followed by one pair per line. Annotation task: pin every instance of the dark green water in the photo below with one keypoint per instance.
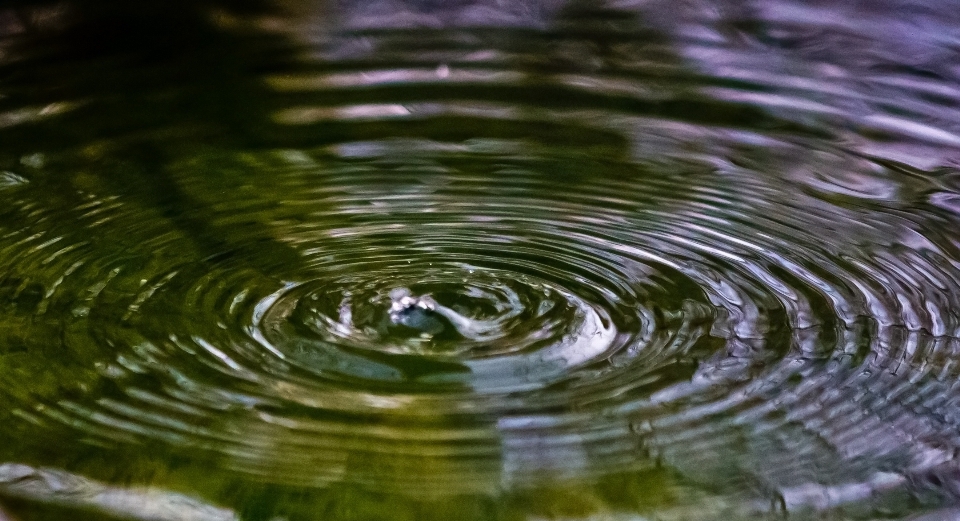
x,y
473,260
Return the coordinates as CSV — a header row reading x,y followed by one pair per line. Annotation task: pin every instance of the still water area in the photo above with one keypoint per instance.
x,y
599,260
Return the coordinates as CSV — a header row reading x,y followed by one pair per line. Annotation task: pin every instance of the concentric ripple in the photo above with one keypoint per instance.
x,y
482,258
505,339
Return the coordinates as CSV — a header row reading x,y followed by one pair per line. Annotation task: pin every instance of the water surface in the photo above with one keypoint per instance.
x,y
403,260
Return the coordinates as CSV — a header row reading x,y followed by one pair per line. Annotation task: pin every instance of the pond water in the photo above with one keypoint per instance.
x,y
480,260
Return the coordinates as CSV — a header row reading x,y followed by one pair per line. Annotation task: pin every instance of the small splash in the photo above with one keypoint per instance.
x,y
421,314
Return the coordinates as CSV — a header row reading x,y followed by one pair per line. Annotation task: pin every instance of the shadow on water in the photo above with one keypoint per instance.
x,y
149,81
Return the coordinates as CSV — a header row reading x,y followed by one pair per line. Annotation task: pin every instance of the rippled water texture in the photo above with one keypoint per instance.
x,y
402,260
